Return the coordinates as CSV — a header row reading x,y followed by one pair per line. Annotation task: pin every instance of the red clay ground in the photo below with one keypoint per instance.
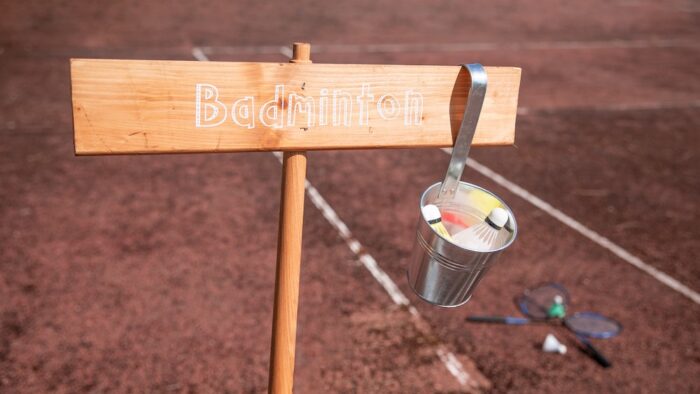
x,y
155,273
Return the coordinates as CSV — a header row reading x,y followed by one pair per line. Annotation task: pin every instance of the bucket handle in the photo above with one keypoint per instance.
x,y
460,151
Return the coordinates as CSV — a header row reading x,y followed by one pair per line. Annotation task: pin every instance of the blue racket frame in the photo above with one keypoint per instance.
x,y
596,316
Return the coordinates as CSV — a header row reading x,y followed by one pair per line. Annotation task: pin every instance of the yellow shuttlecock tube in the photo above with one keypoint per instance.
x,y
483,201
431,213
440,229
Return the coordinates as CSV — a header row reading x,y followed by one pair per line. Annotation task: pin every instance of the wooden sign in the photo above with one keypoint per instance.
x,y
143,106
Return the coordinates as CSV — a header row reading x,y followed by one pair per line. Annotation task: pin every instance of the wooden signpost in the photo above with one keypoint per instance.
x,y
144,106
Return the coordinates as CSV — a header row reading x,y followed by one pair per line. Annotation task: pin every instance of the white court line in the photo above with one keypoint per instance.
x,y
623,107
286,51
198,54
453,365
461,47
583,230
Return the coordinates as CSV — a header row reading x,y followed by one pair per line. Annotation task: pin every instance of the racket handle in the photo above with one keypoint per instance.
x,y
498,319
595,354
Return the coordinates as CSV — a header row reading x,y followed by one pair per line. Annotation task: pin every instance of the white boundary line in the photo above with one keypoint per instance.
x,y
459,47
453,365
355,246
583,230
648,106
198,54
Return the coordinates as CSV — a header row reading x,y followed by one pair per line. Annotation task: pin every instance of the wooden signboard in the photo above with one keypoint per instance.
x,y
144,106
136,106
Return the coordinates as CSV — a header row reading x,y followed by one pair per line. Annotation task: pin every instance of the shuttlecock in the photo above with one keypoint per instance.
x,y
506,232
483,236
552,345
509,224
431,214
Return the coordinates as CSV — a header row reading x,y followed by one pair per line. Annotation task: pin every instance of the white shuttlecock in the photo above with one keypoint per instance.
x,y
483,237
431,214
506,232
552,345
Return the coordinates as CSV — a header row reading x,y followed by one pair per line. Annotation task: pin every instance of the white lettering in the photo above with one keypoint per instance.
x,y
388,107
300,104
242,112
328,108
363,101
323,106
344,99
209,111
413,108
270,115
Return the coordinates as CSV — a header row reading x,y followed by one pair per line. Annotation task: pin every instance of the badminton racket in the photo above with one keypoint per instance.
x,y
535,304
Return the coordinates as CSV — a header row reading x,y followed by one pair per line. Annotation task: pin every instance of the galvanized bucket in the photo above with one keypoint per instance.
x,y
442,272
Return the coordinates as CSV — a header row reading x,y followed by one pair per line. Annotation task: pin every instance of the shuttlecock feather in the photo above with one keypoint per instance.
x,y
483,236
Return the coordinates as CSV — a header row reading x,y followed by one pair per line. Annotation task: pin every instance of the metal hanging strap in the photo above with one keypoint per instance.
x,y
460,151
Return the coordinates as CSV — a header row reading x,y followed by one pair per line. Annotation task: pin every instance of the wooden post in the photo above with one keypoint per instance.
x,y
284,322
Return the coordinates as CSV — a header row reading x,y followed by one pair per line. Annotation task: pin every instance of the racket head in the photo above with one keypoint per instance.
x,y
592,325
535,303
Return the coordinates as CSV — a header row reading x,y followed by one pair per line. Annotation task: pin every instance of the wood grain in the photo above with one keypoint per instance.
x,y
145,106
284,322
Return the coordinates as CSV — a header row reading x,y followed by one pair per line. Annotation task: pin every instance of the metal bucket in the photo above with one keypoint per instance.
x,y
442,272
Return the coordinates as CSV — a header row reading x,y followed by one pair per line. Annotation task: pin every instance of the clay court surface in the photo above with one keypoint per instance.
x,y
156,273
